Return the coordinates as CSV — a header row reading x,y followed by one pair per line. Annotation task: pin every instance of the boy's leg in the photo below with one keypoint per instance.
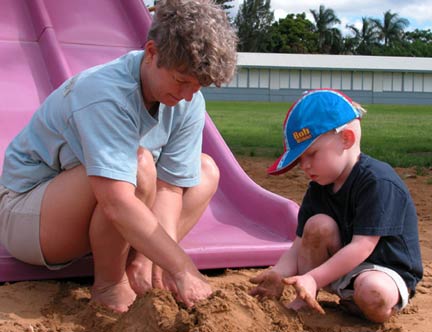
x,y
71,226
320,240
195,200
376,294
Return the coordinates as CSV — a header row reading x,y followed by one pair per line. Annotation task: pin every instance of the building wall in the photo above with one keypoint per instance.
x,y
285,85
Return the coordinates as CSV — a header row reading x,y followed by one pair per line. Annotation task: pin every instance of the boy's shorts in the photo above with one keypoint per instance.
x,y
20,224
340,286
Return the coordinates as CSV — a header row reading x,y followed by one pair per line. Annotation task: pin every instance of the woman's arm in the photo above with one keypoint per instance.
x,y
141,229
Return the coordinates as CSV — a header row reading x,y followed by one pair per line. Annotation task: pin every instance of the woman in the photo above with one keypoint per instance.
x,y
111,162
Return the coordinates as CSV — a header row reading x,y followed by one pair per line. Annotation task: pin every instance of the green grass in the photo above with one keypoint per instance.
x,y
398,134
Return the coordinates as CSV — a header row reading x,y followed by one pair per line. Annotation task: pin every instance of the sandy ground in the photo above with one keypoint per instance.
x,y
51,306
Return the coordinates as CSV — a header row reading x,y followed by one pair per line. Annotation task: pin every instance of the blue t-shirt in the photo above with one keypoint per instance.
x,y
98,119
373,201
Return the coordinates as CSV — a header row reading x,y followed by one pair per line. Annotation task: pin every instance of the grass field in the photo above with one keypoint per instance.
x,y
398,134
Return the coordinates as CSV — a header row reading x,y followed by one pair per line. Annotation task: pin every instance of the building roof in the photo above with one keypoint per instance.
x,y
334,62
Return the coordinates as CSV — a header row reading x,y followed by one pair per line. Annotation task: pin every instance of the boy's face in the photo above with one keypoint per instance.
x,y
325,161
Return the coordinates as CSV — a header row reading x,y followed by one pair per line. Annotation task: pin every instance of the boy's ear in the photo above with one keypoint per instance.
x,y
348,136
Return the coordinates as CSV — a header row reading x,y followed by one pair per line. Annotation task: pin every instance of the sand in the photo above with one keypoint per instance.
x,y
51,306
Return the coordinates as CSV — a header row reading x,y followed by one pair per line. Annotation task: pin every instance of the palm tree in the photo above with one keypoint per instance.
x,y
365,38
325,19
392,28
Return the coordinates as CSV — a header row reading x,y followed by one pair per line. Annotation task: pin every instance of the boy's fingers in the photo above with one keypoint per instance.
x,y
254,291
313,303
304,295
289,281
256,280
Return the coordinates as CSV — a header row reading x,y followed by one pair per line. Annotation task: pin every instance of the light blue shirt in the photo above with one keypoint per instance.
x,y
98,119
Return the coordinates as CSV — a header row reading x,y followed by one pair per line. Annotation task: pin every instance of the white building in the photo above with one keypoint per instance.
x,y
366,79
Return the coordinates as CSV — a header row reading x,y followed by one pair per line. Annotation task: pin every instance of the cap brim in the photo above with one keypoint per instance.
x,y
288,159
276,170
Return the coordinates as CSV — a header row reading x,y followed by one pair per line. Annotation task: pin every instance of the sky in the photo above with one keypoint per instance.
x,y
351,12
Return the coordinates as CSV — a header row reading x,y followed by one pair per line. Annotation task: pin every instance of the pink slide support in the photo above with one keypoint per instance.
x,y
43,42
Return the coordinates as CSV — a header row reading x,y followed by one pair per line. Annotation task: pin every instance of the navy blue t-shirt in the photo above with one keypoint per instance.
x,y
373,201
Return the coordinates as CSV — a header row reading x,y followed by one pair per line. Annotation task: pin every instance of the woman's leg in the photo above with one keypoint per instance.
x,y
195,200
66,211
139,267
72,225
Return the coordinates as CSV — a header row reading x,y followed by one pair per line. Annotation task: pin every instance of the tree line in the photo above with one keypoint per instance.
x,y
387,36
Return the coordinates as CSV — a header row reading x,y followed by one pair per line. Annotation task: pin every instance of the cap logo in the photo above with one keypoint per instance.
x,y
302,135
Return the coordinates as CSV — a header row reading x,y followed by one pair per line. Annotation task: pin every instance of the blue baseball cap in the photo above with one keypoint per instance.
x,y
315,113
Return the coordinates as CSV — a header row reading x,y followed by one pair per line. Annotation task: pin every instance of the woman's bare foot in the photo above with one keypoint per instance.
x,y
117,297
139,273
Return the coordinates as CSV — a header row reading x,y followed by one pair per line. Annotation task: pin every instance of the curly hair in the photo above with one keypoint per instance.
x,y
195,37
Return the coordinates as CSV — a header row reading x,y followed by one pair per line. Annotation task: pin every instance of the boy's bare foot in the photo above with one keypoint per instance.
x,y
117,297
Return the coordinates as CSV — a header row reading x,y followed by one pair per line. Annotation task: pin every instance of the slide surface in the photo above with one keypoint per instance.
x,y
43,42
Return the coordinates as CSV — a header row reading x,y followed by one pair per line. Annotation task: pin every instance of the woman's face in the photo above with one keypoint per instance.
x,y
171,86
167,86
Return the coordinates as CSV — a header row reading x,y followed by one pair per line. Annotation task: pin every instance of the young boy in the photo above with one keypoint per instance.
x,y
357,230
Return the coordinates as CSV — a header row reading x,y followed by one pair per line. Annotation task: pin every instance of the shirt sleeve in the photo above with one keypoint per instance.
x,y
109,139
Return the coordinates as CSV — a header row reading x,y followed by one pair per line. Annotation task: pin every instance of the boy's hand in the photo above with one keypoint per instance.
x,y
306,289
269,284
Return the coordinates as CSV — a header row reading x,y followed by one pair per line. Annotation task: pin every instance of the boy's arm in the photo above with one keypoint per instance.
x,y
287,264
345,260
269,282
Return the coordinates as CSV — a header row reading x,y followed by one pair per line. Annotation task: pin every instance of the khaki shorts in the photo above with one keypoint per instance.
x,y
340,286
19,224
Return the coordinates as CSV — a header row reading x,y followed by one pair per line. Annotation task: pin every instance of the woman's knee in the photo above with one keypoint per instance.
x,y
375,294
146,176
209,172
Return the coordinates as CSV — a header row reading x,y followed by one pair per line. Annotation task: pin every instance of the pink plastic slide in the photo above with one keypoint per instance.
x,y
43,42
